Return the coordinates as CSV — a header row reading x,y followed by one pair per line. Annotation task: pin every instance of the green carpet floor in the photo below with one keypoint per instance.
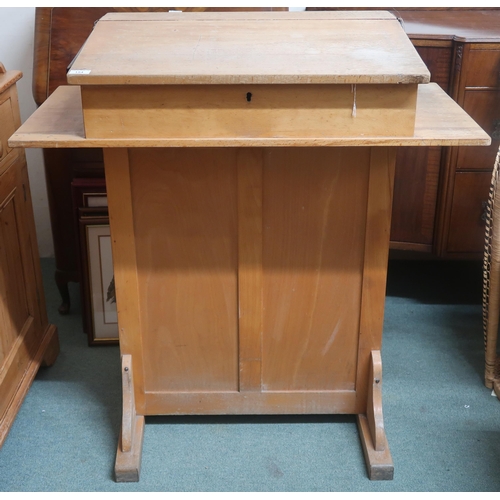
x,y
442,424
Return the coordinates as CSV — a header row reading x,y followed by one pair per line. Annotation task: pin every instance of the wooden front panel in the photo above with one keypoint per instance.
x,y
14,310
314,221
219,111
7,126
484,107
18,308
483,68
468,209
438,59
250,280
415,196
185,223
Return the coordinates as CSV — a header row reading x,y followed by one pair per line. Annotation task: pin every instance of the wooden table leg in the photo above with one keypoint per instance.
x,y
129,453
371,426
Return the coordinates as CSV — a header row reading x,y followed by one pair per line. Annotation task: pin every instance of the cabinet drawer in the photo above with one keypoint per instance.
x,y
483,68
484,107
467,220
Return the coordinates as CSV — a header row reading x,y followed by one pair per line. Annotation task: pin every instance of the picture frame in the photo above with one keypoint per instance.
x,y
97,278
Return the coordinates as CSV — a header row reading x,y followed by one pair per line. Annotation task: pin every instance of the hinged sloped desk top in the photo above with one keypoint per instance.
x,y
243,48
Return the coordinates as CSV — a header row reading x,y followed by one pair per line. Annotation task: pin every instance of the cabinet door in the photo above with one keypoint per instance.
x,y
417,171
484,107
467,218
20,318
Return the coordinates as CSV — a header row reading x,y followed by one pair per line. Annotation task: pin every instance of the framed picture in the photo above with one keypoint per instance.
x,y
98,279
89,192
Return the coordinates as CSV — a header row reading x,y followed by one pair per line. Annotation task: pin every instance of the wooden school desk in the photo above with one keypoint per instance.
x,y
249,163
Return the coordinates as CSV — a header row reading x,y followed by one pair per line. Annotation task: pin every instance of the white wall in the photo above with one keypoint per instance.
x,y
16,52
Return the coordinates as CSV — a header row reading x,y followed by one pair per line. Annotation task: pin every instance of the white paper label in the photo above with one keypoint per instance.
x,y
79,72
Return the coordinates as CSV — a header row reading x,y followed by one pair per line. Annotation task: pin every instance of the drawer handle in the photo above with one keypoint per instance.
x,y
1,149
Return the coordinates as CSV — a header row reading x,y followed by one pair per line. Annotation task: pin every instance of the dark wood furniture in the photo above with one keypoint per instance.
x,y
27,340
440,192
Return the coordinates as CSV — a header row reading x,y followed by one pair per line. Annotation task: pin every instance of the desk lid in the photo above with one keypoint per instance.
x,y
245,47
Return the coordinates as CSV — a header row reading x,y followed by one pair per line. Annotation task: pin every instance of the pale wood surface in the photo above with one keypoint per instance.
x,y
374,412
250,308
230,48
244,296
371,426
314,222
220,111
8,78
123,243
129,452
187,261
376,252
438,121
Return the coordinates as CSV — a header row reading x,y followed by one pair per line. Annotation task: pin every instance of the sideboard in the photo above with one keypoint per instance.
x,y
440,192
27,339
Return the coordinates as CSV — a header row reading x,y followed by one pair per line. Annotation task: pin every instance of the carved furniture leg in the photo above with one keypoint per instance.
x,y
62,286
128,456
371,426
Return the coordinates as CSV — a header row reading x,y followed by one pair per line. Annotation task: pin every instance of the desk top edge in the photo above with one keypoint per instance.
x,y
58,123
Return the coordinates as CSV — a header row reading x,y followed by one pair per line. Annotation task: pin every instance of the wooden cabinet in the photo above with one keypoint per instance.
x,y
460,47
417,182
440,192
250,197
467,172
26,338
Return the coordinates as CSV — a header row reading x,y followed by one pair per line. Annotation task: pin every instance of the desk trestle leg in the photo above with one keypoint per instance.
x,y
371,426
129,453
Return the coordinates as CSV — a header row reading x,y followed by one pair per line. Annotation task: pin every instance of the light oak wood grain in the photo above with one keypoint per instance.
x,y
250,301
219,111
371,426
123,243
376,253
129,452
314,228
438,121
185,225
231,48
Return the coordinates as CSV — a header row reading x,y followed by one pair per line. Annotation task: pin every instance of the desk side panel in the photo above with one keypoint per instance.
x,y
314,219
185,224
